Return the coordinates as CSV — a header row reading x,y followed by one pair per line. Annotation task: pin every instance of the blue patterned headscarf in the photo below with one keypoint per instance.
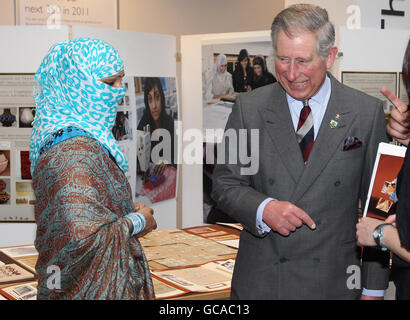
x,y
67,92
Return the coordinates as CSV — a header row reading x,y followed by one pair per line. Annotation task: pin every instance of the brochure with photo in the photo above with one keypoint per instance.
x,y
382,190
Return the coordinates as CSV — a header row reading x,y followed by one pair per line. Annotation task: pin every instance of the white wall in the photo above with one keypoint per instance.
x,y
371,14
372,49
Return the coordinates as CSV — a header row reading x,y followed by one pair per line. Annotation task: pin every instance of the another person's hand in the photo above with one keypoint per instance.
x,y
284,217
391,219
364,297
364,231
150,223
399,123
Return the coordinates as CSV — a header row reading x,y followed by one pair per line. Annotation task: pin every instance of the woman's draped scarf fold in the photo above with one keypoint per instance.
x,y
81,198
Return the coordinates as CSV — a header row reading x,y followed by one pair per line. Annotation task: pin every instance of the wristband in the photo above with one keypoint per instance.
x,y
138,222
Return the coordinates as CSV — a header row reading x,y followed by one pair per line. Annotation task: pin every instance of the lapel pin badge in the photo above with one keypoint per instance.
x,y
337,117
333,124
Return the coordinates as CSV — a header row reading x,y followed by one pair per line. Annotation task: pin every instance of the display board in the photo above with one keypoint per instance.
x,y
144,55
16,68
192,117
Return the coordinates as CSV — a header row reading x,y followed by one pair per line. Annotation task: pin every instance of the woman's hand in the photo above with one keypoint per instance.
x,y
138,205
391,219
364,231
150,223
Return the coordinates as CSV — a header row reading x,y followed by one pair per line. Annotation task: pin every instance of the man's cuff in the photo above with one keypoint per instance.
x,y
373,293
261,226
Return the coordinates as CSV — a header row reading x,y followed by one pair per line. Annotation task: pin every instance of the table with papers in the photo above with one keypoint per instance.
x,y
192,263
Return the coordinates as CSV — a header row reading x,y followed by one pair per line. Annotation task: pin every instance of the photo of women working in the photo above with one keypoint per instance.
x,y
87,223
218,81
243,74
261,75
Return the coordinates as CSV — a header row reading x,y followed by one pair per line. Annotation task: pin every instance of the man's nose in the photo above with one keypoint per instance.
x,y
292,71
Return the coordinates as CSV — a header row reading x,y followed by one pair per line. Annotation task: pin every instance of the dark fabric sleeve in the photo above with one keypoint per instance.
x,y
232,190
375,268
403,205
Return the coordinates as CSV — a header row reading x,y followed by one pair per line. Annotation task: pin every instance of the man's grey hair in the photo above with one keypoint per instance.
x,y
305,18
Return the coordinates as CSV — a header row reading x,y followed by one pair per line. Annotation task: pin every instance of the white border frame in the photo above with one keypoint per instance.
x,y
191,76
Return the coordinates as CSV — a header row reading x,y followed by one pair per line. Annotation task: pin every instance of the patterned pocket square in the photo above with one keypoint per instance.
x,y
351,143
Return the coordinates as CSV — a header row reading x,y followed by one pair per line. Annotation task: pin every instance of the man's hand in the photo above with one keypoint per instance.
x,y
284,217
399,123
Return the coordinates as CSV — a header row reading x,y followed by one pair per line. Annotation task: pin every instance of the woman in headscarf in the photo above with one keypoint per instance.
x,y
221,81
87,224
394,233
243,74
155,115
261,75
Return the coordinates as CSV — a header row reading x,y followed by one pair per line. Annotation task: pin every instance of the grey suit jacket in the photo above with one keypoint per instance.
x,y
308,264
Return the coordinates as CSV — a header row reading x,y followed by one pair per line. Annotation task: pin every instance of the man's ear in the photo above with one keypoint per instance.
x,y
330,59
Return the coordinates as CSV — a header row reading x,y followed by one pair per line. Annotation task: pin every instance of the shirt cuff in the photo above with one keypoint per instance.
x,y
373,293
261,226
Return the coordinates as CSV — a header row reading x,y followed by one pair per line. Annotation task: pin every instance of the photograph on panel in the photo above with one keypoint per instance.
x,y
4,194
8,118
228,70
157,147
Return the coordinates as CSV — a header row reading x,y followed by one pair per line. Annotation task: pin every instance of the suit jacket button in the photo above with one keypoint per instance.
x,y
283,260
316,260
337,183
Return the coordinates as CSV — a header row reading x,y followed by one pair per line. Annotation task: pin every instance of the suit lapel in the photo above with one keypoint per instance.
x,y
278,123
328,138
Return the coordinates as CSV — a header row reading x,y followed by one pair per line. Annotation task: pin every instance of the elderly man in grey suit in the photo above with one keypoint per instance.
x,y
318,141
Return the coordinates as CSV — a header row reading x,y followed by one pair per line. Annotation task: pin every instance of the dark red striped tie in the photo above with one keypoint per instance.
x,y
305,133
